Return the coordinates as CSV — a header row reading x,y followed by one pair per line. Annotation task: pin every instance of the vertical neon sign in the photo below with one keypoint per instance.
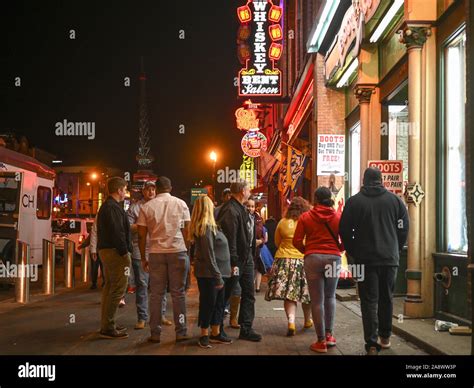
x,y
260,77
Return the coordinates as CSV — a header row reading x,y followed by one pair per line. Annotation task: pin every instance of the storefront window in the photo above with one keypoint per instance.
x,y
398,131
454,127
355,159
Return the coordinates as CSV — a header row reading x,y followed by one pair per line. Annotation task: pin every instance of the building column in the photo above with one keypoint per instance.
x,y
363,93
414,37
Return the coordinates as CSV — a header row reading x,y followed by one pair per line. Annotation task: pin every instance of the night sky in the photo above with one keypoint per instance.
x,y
189,82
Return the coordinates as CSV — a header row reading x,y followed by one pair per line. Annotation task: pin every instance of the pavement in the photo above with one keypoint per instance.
x,y
68,322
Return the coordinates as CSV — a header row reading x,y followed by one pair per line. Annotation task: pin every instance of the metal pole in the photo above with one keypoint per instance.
x,y
85,253
22,282
69,250
49,254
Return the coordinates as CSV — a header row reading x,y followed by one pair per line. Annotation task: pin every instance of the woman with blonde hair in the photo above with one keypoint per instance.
x,y
211,267
287,278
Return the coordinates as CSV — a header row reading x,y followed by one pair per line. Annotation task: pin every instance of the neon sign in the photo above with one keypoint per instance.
x,y
61,201
246,119
253,143
260,77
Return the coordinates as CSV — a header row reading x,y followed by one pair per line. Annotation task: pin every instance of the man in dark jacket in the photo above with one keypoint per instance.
x,y
239,229
374,228
115,246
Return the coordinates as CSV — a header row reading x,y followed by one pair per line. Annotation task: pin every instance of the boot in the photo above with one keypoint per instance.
x,y
234,311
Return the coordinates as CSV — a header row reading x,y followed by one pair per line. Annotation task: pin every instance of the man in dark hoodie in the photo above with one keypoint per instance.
x,y
239,228
374,228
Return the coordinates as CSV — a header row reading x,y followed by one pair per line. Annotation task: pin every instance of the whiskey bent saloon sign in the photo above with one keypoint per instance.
x,y
260,77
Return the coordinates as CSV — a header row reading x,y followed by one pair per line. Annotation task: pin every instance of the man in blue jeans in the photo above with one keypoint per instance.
x,y
142,277
165,219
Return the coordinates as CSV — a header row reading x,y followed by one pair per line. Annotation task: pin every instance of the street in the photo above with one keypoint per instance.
x,y
67,324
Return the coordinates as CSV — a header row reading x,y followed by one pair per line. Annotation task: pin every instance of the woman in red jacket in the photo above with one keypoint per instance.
x,y
317,236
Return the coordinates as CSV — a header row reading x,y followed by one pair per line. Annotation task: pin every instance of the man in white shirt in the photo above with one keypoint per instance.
x,y
141,277
165,220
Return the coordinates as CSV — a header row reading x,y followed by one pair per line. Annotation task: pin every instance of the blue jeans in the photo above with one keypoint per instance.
x,y
168,269
322,274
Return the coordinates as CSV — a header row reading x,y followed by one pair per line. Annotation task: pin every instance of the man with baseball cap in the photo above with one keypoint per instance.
x,y
142,277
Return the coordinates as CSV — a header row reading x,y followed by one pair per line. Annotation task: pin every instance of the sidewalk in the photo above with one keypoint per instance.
x,y
420,332
67,324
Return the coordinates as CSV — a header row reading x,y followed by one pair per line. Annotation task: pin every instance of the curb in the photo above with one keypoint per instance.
x,y
427,347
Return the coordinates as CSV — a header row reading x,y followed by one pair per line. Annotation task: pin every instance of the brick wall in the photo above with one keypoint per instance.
x,y
329,111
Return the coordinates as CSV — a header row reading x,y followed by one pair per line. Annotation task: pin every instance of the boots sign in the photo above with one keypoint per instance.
x,y
260,77
392,174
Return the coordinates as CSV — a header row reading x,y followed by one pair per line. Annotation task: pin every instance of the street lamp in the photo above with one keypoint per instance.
x,y
213,157
93,177
90,200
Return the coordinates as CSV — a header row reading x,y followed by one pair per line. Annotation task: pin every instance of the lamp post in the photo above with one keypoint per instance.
x,y
90,199
213,157
93,177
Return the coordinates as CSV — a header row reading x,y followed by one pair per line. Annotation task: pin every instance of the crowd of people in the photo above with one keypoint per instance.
x,y
231,248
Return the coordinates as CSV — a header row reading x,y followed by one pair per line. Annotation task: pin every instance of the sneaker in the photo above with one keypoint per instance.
x,y
234,324
155,338
319,347
114,334
182,338
120,328
131,290
220,339
226,312
140,325
250,335
122,303
330,340
204,342
165,321
308,324
385,343
372,351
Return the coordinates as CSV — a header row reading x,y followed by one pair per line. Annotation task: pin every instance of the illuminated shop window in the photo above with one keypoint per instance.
x,y
455,151
355,159
398,132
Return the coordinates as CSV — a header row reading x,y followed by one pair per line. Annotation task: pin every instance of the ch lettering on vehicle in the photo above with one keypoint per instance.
x,y
28,200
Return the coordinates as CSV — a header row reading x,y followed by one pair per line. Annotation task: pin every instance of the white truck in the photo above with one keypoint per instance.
x,y
26,194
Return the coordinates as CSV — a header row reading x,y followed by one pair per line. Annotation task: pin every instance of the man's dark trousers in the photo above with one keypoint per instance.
x,y
247,301
376,299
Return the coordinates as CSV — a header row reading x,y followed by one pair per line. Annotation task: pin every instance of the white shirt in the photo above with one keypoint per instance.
x,y
164,216
93,240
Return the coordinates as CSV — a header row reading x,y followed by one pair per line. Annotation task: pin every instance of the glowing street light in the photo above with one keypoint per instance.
x,y
213,157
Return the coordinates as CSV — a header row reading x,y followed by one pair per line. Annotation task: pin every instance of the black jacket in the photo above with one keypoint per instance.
x,y
233,219
113,228
374,226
